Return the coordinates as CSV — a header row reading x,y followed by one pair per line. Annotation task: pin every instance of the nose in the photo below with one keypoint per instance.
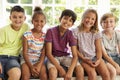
x,y
108,23
39,23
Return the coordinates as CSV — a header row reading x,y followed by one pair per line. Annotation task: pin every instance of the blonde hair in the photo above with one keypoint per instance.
x,y
108,15
94,29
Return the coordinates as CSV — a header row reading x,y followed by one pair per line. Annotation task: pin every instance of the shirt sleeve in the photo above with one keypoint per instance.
x,y
73,40
25,34
74,33
98,35
48,37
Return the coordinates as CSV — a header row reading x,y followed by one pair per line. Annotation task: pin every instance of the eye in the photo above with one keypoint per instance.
x,y
41,21
20,16
93,18
105,22
71,20
35,20
111,21
14,17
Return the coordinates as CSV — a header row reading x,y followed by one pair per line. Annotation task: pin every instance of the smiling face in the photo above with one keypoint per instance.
x,y
66,22
108,23
17,19
39,22
89,20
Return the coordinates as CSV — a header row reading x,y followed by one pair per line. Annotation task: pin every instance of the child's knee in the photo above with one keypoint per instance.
x,y
43,77
92,73
52,71
79,68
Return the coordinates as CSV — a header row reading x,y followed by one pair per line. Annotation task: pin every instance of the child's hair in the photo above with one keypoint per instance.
x,y
17,8
94,28
70,13
108,15
38,11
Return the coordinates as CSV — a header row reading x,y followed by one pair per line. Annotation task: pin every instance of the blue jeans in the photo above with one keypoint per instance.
x,y
115,57
7,63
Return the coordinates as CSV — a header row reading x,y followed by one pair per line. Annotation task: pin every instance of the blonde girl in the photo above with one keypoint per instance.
x,y
89,46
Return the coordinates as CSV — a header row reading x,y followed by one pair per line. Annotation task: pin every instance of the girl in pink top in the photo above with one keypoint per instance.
x,y
89,46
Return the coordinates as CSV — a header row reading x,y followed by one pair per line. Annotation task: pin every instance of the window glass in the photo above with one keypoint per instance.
x,y
79,12
49,15
53,8
115,9
60,1
92,2
116,12
12,1
28,10
8,9
58,11
114,2
26,1
46,1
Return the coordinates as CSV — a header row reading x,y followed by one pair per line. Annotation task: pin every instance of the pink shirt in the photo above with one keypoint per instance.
x,y
86,42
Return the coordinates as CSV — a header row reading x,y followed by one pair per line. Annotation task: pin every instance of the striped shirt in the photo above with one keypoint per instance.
x,y
35,45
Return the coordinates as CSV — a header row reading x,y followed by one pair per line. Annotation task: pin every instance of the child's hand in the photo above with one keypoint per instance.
x,y
68,76
62,72
37,67
118,70
96,63
34,71
88,61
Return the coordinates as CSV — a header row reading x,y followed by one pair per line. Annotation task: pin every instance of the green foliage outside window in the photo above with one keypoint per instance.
x,y
93,2
46,1
28,10
79,12
60,1
114,2
49,15
26,1
58,11
116,12
53,12
12,1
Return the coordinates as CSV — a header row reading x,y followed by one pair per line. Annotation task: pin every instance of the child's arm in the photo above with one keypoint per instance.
x,y
118,40
48,51
80,55
119,49
98,51
109,59
86,60
41,61
73,62
25,55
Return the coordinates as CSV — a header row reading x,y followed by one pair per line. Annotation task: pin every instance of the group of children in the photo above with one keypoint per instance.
x,y
93,52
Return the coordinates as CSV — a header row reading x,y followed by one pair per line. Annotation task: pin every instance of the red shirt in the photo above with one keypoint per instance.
x,y
59,43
